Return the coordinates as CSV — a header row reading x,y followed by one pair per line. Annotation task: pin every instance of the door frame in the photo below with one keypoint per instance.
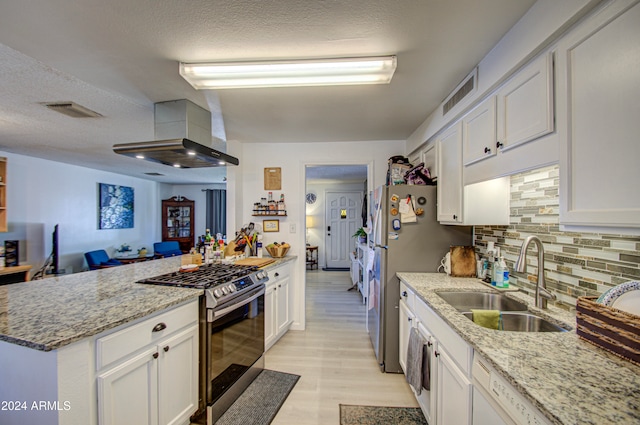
x,y
301,298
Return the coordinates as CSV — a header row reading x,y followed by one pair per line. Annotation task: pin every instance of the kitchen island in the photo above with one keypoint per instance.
x,y
568,380
65,339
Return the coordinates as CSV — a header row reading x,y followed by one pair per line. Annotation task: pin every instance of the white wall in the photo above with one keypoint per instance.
x,y
41,194
292,158
316,234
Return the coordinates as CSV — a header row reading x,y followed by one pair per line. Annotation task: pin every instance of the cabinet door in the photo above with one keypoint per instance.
x,y
178,377
479,132
454,392
283,315
598,109
449,155
525,104
270,307
406,323
127,393
427,399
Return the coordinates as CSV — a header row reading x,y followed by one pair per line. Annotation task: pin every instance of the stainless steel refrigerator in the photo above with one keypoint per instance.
x,y
404,240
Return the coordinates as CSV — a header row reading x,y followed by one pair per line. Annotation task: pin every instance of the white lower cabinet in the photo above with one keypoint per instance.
x,y
277,305
406,323
454,392
449,399
150,384
127,393
177,377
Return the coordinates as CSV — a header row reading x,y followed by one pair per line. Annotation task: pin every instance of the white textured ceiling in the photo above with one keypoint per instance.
x,y
119,57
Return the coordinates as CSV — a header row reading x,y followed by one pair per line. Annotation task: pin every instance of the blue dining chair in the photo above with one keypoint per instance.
x,y
166,249
100,260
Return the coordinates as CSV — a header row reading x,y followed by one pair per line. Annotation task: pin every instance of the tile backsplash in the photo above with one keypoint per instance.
x,y
576,264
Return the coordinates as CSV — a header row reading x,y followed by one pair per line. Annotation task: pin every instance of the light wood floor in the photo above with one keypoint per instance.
x,y
333,356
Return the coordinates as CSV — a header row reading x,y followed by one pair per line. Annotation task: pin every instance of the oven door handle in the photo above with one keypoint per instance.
x,y
213,315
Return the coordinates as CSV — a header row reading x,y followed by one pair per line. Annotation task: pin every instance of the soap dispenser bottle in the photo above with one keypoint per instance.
x,y
498,274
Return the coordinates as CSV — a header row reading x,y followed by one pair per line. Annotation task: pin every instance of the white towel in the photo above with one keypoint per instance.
x,y
414,360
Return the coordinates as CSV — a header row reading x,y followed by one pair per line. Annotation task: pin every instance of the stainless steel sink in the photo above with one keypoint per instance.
x,y
523,322
466,301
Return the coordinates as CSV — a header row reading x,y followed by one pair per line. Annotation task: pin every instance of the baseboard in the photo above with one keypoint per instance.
x,y
336,269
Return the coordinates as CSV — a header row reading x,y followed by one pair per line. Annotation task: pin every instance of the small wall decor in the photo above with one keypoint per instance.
x,y
271,225
272,178
115,206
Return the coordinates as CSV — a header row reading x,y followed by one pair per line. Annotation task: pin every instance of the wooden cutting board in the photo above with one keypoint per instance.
x,y
260,262
463,261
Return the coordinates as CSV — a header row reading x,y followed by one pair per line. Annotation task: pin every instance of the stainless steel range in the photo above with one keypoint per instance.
x,y
231,331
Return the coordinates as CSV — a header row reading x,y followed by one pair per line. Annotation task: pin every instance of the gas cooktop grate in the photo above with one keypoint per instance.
x,y
204,277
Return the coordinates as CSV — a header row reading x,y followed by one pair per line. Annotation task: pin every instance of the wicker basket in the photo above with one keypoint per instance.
x,y
277,251
609,328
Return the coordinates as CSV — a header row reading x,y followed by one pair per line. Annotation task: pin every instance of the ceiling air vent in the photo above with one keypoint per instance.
x,y
72,109
467,86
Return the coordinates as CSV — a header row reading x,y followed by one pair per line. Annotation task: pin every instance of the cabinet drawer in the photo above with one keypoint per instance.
x,y
278,273
407,295
455,346
135,337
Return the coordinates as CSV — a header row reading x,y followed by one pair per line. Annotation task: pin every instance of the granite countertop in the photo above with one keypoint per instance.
x,y
50,313
569,380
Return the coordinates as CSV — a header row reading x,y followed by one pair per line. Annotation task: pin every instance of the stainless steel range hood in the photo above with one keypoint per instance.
x,y
183,133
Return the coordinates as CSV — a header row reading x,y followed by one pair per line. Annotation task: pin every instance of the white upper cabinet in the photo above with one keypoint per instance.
x,y
479,132
598,67
525,104
449,165
514,129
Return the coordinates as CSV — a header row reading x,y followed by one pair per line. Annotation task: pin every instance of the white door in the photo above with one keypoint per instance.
x,y
454,393
127,393
406,323
270,307
283,305
479,132
449,156
343,218
178,377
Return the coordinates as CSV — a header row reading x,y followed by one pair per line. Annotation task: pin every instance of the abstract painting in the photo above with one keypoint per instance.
x,y
116,207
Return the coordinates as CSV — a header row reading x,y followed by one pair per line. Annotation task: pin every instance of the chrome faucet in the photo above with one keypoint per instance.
x,y
542,294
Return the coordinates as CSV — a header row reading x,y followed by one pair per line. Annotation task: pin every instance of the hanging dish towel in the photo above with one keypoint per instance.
x,y
414,360
486,318
426,367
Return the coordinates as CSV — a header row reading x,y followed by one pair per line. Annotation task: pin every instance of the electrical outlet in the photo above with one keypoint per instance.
x,y
292,227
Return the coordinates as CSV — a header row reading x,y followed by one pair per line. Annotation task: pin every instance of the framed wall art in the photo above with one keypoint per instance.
x,y
271,225
115,206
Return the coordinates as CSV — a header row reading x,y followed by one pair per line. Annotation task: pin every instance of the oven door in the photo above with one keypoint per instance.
x,y
235,341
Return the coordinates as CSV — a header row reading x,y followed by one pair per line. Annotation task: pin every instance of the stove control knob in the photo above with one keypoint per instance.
x,y
232,288
225,290
217,292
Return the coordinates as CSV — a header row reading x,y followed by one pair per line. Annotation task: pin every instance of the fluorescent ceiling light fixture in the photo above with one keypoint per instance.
x,y
289,73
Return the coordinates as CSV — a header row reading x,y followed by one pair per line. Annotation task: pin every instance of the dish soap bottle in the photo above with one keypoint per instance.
x,y
505,273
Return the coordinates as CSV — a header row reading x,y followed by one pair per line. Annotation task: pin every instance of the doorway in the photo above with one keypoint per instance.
x,y
322,183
